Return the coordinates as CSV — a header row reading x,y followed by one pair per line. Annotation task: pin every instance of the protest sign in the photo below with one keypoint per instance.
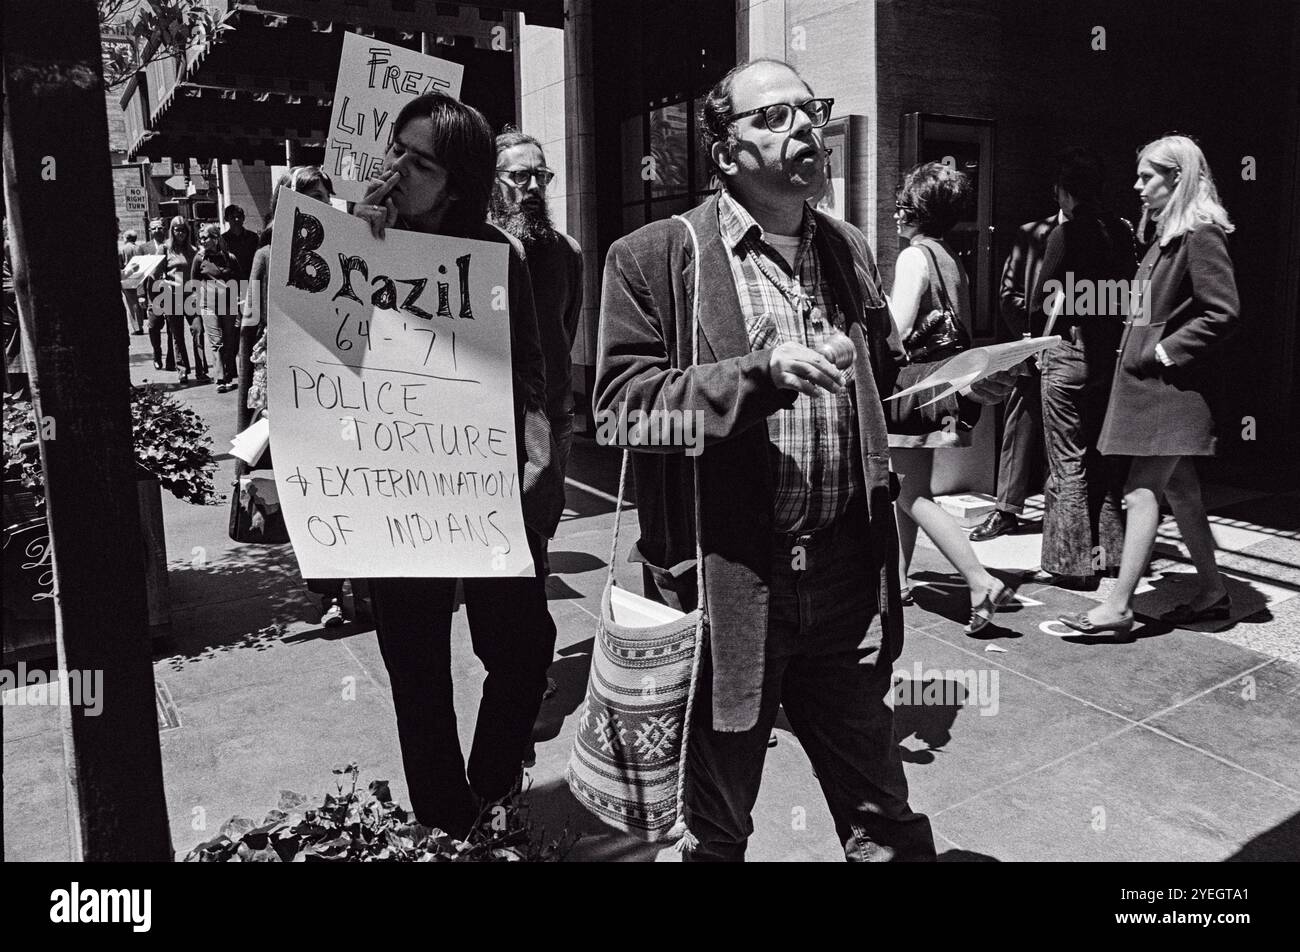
x,y
390,397
376,79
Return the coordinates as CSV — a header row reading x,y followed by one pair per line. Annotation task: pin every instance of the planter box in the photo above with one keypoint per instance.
x,y
29,572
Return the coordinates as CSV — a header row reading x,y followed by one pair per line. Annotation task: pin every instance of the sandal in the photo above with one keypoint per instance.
x,y
981,616
1080,621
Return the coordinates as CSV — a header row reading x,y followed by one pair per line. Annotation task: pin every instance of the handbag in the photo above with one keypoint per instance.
x,y
628,765
255,513
934,339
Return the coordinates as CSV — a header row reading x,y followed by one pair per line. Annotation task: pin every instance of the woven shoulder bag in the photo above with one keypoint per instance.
x,y
628,765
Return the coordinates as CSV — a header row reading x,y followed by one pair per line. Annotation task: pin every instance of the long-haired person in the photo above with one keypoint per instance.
x,y
438,176
1158,413
180,251
926,275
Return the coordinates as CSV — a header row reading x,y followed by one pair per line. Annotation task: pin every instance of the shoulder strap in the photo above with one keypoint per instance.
x,y
695,463
938,278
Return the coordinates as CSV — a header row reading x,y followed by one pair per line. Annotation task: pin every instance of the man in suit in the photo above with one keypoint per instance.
x,y
797,531
1022,428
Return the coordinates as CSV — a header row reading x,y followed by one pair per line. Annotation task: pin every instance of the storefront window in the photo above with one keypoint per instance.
x,y
664,171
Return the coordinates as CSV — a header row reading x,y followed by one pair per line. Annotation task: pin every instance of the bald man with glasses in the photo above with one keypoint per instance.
x,y
800,548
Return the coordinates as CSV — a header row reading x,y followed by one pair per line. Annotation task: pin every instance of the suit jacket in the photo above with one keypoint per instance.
x,y
645,363
1020,277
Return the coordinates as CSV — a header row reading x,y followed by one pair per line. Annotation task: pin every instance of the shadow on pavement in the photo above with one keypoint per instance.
x,y
230,602
1280,844
553,813
930,723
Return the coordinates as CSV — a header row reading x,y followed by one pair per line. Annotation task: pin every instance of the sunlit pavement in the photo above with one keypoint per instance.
x,y
1026,743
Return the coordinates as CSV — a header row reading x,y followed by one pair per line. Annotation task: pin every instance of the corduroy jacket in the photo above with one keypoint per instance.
x,y
645,363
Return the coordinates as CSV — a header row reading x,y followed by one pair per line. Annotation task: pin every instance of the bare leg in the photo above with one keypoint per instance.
x,y
1146,481
916,508
1184,495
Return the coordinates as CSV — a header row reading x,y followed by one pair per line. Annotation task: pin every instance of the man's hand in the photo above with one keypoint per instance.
x,y
796,367
838,349
376,206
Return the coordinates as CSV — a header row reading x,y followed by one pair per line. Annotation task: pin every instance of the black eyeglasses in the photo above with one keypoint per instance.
x,y
779,117
520,178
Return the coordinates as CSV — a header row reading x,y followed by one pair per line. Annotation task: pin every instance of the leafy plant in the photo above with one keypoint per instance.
x,y
348,827
135,33
170,440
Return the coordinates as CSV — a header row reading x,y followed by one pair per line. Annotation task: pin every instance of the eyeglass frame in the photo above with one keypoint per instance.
x,y
830,104
531,173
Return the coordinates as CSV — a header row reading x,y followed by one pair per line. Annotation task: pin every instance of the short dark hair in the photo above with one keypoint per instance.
x,y
512,136
1080,172
130,234
935,197
716,108
462,144
231,210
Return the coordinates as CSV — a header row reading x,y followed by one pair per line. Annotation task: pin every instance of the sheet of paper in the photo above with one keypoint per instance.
x,y
971,366
250,444
139,268
390,392
375,80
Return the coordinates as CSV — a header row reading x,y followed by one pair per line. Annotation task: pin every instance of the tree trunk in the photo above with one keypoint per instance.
x,y
59,192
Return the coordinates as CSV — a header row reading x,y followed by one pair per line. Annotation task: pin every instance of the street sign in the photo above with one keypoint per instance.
x,y
176,182
162,167
137,200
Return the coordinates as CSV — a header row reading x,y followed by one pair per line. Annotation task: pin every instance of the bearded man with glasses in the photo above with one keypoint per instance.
x,y
518,207
800,549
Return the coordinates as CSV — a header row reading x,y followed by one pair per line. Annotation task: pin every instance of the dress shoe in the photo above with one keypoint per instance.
x,y
998,523
1079,621
1187,615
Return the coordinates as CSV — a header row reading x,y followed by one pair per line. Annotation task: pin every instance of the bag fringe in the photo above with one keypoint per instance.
x,y
686,840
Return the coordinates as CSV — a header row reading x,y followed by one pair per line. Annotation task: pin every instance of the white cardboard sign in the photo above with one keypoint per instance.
x,y
376,79
390,397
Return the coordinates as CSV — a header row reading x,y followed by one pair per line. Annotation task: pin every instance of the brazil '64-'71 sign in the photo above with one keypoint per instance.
x,y
390,398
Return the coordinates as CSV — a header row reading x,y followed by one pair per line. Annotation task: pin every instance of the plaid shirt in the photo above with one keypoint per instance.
x,y
814,445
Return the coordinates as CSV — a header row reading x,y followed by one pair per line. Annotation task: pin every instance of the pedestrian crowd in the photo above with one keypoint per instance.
x,y
769,322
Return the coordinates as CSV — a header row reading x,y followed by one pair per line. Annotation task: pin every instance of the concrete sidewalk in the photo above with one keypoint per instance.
x,y
1040,745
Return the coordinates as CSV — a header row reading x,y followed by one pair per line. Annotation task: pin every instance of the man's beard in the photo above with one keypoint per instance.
x,y
526,221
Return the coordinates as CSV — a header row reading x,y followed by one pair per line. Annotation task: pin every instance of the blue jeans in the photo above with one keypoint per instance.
x,y
826,666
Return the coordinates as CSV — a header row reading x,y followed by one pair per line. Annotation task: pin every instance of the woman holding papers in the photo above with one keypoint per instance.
x,y
929,279
438,176
1158,413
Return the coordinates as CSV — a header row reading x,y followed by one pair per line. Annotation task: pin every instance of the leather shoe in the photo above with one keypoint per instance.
x,y
998,523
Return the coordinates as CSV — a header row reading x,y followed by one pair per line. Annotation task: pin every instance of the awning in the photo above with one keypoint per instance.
x,y
271,78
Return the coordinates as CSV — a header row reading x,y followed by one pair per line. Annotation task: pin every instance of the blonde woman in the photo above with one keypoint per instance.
x,y
1158,413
